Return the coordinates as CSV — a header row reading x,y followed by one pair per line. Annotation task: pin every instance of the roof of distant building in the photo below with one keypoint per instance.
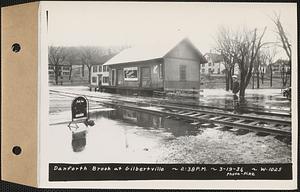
x,y
148,52
216,58
280,62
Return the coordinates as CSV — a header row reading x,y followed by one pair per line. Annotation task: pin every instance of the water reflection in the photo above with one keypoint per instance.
x,y
177,127
79,141
260,102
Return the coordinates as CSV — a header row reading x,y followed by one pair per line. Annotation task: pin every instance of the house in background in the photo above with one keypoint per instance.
x,y
278,66
162,67
69,73
100,72
64,72
215,64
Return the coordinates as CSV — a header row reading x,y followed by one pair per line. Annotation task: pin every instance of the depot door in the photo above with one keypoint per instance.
x,y
145,77
119,77
113,77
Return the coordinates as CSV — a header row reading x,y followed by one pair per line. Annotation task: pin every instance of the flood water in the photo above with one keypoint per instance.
x,y
259,101
148,121
127,136
124,135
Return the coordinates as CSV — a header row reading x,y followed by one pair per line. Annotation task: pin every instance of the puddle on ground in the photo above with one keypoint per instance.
x,y
147,121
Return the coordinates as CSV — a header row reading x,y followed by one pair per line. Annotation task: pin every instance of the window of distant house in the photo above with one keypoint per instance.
x,y
131,74
51,67
95,68
105,79
66,73
100,68
105,68
51,73
182,73
66,68
94,79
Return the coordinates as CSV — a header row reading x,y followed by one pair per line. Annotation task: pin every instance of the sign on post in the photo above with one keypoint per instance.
x,y
80,108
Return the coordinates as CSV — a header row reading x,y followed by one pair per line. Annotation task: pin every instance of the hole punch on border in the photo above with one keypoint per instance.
x,y
16,47
17,150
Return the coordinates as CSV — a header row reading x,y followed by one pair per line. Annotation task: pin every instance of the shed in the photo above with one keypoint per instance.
x,y
175,66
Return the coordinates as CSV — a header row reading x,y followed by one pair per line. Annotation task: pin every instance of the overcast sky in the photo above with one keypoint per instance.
x,y
117,24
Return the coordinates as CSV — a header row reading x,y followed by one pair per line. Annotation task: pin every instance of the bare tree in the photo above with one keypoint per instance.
x,y
71,59
224,46
90,56
243,47
268,57
282,35
284,68
56,57
262,68
286,45
256,69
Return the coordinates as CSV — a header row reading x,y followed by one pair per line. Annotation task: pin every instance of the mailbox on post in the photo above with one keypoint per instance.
x,y
80,112
80,106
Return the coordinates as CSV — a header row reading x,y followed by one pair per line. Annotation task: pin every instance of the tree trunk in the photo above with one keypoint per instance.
x,y
230,78
262,77
56,74
227,79
70,75
257,78
253,82
232,73
271,76
283,76
242,87
82,70
90,73
56,79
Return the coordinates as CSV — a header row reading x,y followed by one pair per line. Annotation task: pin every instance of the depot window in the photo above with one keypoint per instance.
x,y
131,74
182,73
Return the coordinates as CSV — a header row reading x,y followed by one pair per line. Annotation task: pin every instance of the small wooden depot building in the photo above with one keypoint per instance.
x,y
171,68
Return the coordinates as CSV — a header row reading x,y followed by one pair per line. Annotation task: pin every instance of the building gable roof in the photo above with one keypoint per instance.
x,y
145,53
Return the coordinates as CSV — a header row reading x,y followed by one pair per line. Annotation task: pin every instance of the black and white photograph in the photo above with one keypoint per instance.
x,y
167,83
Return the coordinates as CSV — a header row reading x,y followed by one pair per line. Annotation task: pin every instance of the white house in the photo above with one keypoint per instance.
x,y
99,73
214,65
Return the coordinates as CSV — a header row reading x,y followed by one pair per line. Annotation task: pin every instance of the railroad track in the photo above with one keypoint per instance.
x,y
244,109
267,124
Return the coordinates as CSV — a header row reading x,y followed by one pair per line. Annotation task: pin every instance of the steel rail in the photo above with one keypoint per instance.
x,y
215,121
226,119
248,117
288,115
